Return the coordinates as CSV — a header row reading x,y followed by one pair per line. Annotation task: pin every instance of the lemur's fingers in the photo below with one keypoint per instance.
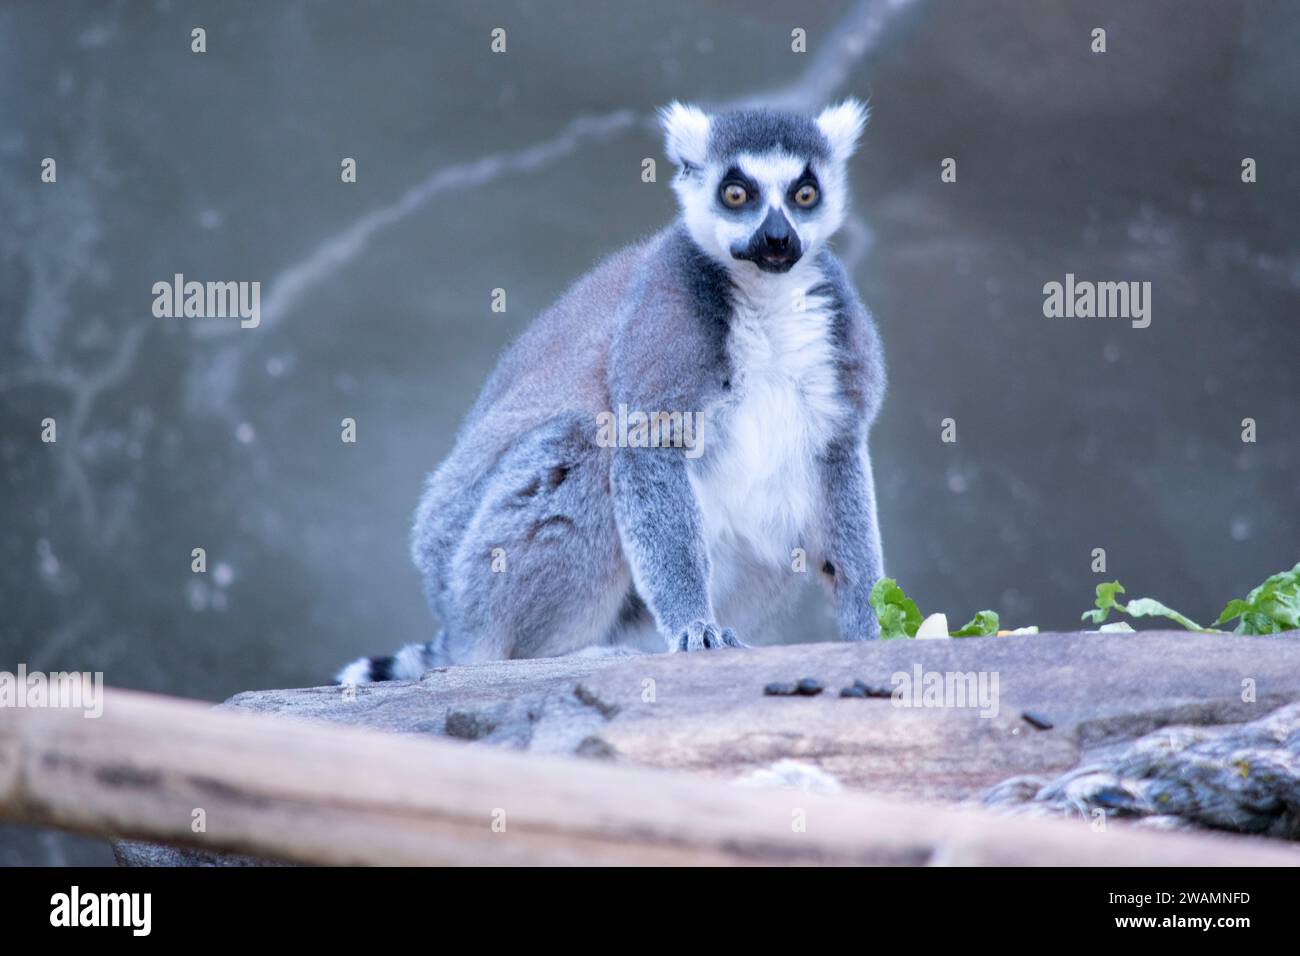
x,y
729,639
691,638
698,635
694,637
705,635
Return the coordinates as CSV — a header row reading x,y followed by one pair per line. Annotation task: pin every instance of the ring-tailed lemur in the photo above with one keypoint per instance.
x,y
544,533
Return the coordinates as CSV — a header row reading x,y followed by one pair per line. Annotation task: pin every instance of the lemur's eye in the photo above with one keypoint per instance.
x,y
805,195
734,195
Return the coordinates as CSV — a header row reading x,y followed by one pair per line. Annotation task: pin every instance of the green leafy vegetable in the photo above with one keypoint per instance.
x,y
981,625
1138,607
1150,607
896,612
1273,606
899,616
1105,601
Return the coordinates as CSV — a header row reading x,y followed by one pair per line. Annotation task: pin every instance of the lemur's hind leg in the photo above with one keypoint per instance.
x,y
526,562
539,571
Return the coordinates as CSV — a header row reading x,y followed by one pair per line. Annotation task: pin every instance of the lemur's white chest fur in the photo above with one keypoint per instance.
x,y
757,481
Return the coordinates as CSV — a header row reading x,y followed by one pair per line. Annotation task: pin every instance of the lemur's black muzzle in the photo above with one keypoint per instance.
x,y
774,246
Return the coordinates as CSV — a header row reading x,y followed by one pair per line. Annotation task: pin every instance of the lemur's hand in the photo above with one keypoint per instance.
x,y
705,635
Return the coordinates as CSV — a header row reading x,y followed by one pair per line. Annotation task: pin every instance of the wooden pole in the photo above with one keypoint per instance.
x,y
151,767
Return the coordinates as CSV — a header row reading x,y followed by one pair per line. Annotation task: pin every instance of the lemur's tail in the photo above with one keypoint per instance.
x,y
409,663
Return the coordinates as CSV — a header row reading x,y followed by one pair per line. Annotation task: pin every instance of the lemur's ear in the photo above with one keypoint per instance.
x,y
686,133
842,124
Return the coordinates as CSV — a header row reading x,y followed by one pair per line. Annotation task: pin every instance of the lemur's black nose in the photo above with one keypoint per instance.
x,y
774,246
776,231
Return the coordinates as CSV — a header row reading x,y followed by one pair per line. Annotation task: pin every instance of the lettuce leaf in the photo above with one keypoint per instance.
x,y
1105,602
900,617
981,625
896,612
1272,607
1138,607
1150,607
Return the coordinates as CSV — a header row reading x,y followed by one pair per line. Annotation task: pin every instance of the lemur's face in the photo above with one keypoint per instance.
x,y
761,189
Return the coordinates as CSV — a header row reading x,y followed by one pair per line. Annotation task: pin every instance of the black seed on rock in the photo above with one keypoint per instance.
x,y
778,689
871,690
811,687
468,724
854,691
1037,720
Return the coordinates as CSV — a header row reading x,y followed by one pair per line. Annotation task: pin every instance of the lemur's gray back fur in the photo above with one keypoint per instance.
x,y
533,539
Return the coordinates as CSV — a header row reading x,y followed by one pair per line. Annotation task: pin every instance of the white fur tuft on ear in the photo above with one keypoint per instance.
x,y
842,124
686,133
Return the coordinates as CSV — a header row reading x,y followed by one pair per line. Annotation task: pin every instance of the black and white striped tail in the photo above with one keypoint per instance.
x,y
410,663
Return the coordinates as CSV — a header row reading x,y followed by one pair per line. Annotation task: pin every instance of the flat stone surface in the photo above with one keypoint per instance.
x,y
707,712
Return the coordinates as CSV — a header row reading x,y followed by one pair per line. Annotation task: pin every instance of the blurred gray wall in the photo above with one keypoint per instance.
x,y
473,174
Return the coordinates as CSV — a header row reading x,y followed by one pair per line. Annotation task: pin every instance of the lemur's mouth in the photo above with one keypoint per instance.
x,y
776,262
770,260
